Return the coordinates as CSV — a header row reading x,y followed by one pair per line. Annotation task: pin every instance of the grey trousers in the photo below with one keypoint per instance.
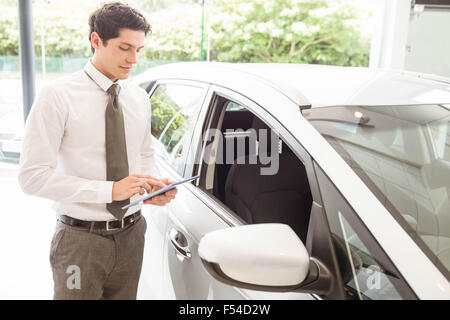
x,y
93,264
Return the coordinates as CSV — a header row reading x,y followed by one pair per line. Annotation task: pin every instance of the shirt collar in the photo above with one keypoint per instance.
x,y
102,81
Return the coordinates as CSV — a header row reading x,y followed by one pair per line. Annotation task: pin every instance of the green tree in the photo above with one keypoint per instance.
x,y
66,29
9,31
166,113
150,6
294,31
176,33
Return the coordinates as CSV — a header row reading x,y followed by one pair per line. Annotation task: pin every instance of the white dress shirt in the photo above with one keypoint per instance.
x,y
63,155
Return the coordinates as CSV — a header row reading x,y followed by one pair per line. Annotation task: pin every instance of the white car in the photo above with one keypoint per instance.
x,y
316,182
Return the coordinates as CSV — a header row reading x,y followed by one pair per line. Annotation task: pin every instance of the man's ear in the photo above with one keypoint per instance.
x,y
96,41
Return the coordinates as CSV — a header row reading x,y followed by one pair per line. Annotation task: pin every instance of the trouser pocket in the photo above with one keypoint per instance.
x,y
56,241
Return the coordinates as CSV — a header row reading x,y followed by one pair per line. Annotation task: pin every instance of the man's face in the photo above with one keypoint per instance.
x,y
116,59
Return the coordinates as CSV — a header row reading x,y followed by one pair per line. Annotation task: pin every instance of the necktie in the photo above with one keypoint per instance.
x,y
116,148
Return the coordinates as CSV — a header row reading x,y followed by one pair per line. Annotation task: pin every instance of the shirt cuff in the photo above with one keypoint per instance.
x,y
105,191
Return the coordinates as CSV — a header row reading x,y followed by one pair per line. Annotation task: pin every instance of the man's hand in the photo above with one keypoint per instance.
x,y
165,198
133,184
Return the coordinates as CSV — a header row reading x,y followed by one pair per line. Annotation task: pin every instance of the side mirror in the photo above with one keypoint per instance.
x,y
266,257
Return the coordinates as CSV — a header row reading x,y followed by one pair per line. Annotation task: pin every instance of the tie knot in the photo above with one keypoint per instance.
x,y
114,89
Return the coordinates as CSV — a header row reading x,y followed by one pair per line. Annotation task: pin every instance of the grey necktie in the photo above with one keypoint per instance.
x,y
116,148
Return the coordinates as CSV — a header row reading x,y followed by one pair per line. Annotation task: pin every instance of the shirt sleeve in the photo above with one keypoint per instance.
x,y
38,173
148,151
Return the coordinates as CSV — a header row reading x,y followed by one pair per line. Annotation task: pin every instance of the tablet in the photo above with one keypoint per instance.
x,y
160,191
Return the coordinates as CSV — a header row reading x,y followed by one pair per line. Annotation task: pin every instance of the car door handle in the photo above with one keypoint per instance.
x,y
179,243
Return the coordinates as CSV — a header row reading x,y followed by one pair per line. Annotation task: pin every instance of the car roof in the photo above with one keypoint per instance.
x,y
317,85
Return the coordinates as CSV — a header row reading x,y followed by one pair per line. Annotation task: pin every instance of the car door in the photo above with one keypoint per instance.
x,y
175,109
189,217
365,271
197,212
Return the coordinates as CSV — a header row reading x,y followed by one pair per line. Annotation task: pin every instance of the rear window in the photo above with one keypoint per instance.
x,y
402,153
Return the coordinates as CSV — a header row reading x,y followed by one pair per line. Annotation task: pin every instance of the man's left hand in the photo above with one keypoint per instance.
x,y
165,198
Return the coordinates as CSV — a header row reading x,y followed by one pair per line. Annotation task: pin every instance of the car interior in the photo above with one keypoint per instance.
x,y
284,197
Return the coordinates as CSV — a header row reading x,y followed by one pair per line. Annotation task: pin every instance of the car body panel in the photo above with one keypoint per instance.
x,y
316,85
282,101
187,279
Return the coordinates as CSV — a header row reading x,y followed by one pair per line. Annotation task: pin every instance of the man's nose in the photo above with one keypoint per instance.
x,y
132,57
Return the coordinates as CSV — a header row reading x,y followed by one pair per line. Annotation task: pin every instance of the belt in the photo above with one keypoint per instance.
x,y
102,225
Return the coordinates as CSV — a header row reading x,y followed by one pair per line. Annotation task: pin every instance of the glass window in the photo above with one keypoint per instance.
x,y
245,169
440,133
402,154
144,85
175,109
11,106
233,106
366,271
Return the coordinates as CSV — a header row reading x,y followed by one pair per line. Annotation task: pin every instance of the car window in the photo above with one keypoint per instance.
x,y
402,154
250,174
175,108
440,134
366,271
233,106
144,85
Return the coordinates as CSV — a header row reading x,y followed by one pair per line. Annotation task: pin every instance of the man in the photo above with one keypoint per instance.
x,y
88,147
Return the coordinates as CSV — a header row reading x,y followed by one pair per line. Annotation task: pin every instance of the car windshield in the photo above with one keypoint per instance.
x,y
402,153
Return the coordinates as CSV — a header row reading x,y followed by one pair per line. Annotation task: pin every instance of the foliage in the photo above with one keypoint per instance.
x,y
64,28
66,32
165,114
295,31
9,32
176,33
150,6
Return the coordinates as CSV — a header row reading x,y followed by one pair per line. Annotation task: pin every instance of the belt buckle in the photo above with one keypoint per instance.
x,y
111,229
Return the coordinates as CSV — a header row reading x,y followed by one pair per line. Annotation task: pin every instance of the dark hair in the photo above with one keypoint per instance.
x,y
111,17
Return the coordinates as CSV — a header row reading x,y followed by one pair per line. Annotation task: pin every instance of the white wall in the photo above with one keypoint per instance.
x,y
428,43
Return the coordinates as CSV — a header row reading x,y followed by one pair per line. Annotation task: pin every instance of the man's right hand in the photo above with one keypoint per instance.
x,y
133,184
